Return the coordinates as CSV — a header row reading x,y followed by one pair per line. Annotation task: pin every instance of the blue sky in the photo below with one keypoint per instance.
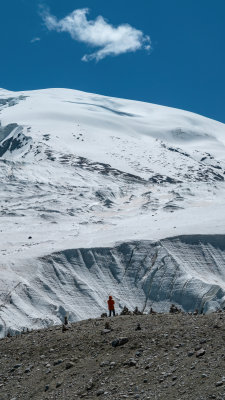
x,y
42,47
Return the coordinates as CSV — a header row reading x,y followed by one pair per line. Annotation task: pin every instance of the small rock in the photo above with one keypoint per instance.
x,y
58,384
107,325
46,388
100,392
57,362
48,371
90,385
69,365
200,353
219,383
17,366
190,353
120,341
105,331
27,370
104,363
131,362
138,327
65,328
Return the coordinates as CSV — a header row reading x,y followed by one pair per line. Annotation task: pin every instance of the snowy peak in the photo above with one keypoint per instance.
x,y
92,161
82,172
100,129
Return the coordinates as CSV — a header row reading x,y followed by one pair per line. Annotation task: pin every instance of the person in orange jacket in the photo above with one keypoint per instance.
x,y
111,308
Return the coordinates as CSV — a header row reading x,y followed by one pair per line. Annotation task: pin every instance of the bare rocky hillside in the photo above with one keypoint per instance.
x,y
172,356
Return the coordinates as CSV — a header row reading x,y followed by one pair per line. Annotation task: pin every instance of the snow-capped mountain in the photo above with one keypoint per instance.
x,y
107,196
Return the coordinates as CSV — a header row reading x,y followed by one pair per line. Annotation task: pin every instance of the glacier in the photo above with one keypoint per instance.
x,y
107,196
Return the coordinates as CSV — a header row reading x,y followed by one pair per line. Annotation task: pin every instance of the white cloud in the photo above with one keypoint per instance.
x,y
36,39
98,33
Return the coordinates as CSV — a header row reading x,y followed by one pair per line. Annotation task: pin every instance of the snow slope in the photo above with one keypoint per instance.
x,y
83,171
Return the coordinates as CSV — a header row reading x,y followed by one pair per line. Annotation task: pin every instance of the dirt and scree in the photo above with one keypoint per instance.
x,y
171,357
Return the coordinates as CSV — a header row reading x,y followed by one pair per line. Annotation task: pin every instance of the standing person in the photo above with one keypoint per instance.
x,y
111,308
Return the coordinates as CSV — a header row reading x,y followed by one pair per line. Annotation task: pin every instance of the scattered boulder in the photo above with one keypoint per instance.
x,y
100,392
28,369
137,312
69,365
138,327
107,325
17,366
64,328
200,353
105,331
57,362
174,309
90,385
107,328
125,311
104,363
120,341
131,362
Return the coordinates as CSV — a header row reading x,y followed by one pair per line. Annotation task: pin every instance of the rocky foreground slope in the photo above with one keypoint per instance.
x,y
172,356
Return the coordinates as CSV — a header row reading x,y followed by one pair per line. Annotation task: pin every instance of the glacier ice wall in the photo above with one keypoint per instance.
x,y
186,270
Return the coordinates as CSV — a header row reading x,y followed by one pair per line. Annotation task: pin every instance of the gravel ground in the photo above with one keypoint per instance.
x,y
172,356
